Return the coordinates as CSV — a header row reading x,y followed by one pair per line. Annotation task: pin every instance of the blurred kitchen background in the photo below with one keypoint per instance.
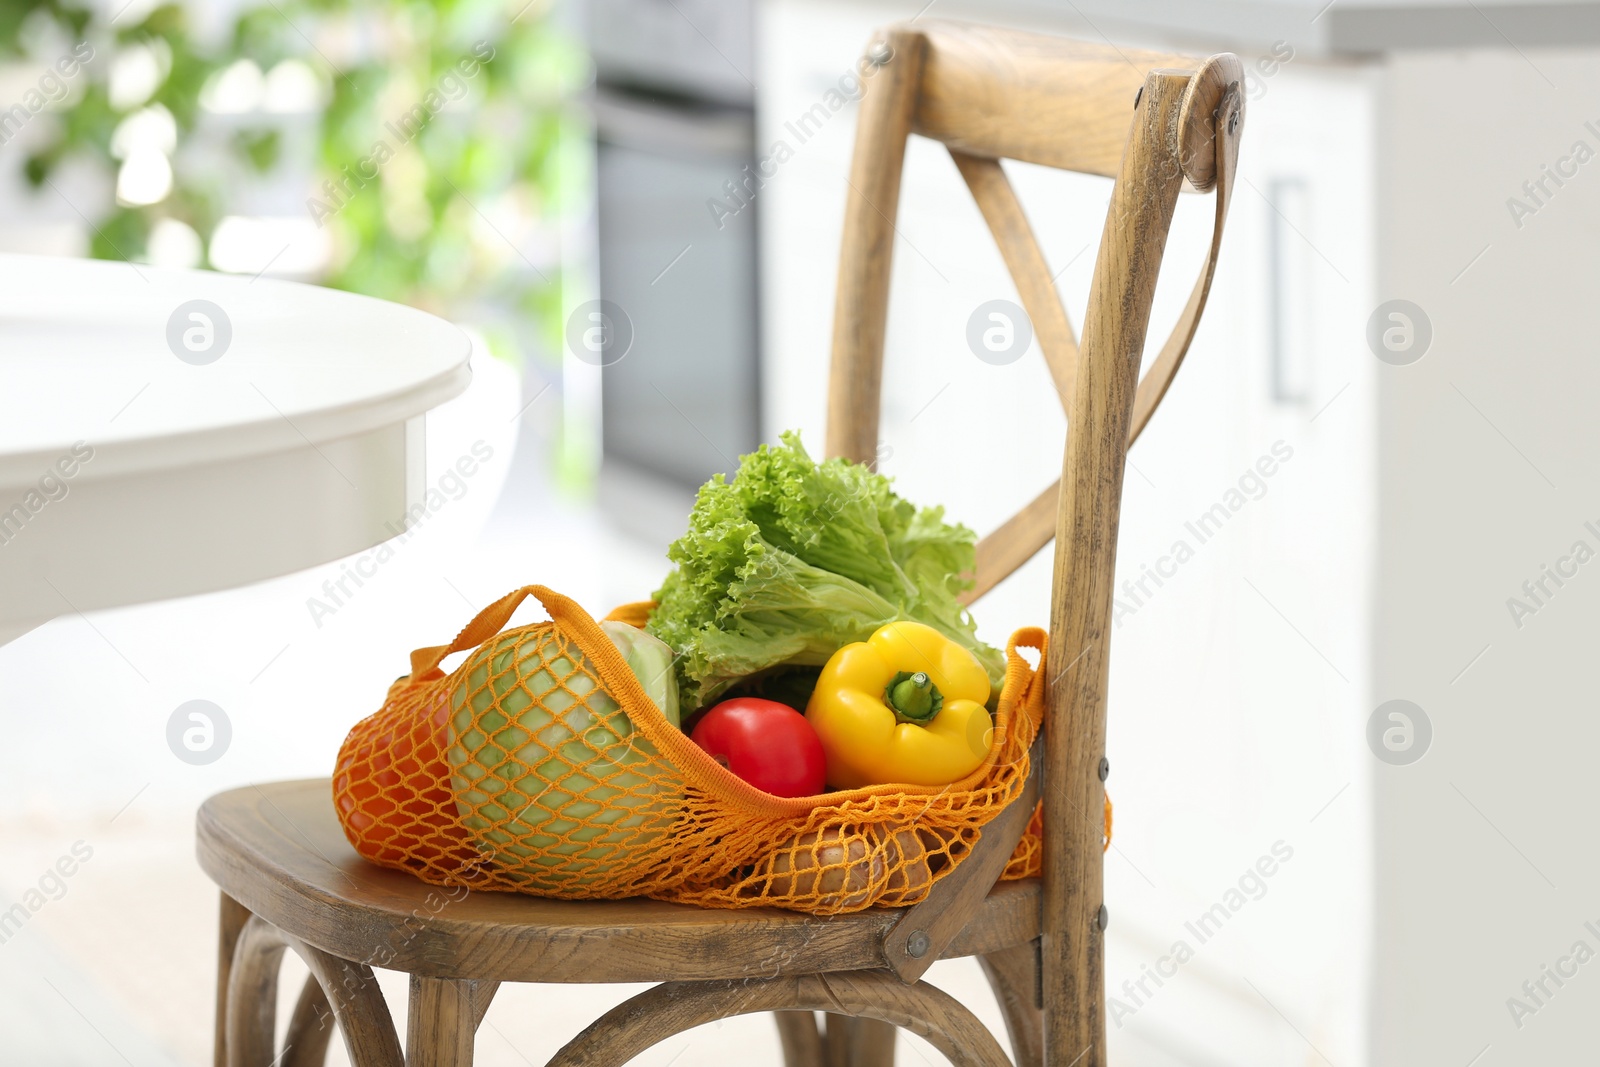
x,y
650,296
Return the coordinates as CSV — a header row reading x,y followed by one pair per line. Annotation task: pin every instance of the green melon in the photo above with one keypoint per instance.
x,y
540,757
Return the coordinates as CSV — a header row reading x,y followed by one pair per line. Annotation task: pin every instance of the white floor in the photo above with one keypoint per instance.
x,y
116,963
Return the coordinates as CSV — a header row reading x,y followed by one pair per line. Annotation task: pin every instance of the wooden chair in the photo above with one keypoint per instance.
x,y
289,879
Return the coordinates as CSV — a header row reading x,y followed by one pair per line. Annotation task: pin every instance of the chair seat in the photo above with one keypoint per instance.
x,y
278,850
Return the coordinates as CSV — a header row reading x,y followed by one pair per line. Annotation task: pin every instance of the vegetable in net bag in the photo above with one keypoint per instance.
x,y
794,559
482,777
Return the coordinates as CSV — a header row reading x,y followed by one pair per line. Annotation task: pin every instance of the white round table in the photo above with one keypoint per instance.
x,y
152,446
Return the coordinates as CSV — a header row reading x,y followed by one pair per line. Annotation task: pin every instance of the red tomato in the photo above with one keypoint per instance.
x,y
769,745
392,787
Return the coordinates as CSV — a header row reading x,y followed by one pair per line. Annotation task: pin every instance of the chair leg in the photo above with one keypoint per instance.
x,y
859,1042
673,1007
251,1012
310,1028
234,916
801,1039
347,987
443,1020
1014,975
358,1006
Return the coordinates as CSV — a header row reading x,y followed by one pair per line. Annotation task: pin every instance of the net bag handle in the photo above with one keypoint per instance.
x,y
484,625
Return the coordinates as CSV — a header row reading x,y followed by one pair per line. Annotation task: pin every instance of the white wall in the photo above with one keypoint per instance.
x,y
1486,870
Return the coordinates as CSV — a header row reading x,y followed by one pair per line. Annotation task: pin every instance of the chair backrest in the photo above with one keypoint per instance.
x,y
1154,122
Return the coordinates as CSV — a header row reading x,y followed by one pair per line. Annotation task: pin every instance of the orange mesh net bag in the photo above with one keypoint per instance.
x,y
539,765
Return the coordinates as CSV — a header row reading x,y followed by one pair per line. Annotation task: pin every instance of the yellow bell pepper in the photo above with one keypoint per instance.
x,y
906,705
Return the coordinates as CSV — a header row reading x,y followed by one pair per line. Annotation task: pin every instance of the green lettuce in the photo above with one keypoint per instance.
x,y
794,559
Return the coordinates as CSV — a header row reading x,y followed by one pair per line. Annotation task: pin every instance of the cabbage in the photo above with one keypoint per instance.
x,y
794,559
651,662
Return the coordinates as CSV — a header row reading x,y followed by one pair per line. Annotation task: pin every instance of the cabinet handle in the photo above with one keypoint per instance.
x,y
1291,306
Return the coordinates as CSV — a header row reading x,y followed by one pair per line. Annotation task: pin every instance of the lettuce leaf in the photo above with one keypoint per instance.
x,y
794,559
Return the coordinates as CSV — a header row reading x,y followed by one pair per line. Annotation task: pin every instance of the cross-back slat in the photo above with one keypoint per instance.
x,y
1010,94
1019,248
988,94
1020,537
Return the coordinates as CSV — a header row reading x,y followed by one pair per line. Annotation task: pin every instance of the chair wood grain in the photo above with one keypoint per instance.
x,y
923,930
988,94
673,1007
858,1041
350,989
1072,945
442,1021
231,920
311,1026
279,850
1019,248
1158,124
861,301
1014,975
1008,94
800,1038
1210,118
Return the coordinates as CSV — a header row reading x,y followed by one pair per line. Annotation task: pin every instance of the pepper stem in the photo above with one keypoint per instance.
x,y
913,698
